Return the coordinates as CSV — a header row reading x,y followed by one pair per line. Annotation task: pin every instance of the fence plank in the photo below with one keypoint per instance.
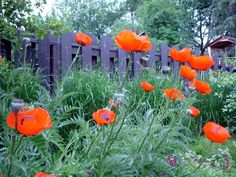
x,y
67,40
164,55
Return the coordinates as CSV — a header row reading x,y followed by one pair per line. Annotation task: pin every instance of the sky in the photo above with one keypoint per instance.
x,y
46,8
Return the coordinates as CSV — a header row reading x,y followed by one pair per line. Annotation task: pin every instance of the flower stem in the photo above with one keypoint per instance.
x,y
13,151
74,60
149,128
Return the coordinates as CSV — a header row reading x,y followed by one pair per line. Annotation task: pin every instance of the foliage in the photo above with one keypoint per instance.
x,y
197,22
161,20
96,17
13,16
219,102
40,27
225,17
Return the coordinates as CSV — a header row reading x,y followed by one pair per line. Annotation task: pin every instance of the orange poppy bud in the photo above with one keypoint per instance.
x,y
216,133
30,122
202,87
201,63
180,56
104,116
147,87
41,174
130,41
83,39
194,111
174,94
1,60
187,72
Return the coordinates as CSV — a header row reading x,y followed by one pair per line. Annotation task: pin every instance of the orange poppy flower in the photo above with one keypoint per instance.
x,y
216,133
174,94
202,87
130,41
187,72
194,111
41,174
180,56
30,122
83,39
201,63
104,116
147,87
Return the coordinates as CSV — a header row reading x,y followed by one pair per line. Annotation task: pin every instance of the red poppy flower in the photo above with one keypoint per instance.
x,y
216,133
30,122
202,87
194,111
147,87
174,94
130,41
104,116
83,39
41,174
201,63
180,56
187,72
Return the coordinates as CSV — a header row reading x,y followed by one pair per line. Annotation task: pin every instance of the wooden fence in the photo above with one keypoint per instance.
x,y
54,55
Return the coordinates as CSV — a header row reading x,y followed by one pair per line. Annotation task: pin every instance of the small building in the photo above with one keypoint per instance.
x,y
224,48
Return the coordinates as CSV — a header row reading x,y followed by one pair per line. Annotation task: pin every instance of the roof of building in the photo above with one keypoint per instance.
x,y
222,42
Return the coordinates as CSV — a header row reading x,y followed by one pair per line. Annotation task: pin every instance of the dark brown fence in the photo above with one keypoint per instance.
x,y
54,55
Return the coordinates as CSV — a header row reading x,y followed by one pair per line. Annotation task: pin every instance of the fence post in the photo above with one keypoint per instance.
x,y
176,67
164,55
106,45
152,59
122,62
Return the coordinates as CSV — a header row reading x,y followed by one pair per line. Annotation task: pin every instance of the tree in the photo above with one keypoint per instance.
x,y
13,15
225,17
161,20
93,16
197,22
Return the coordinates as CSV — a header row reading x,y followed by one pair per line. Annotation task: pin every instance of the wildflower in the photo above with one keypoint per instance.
x,y
180,56
216,133
30,121
147,87
187,72
1,59
83,39
174,94
41,174
130,41
172,160
104,116
116,104
202,87
201,63
193,111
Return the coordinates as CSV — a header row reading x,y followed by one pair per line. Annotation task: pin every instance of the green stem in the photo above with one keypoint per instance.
x,y
103,154
204,159
74,60
25,53
149,128
11,156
